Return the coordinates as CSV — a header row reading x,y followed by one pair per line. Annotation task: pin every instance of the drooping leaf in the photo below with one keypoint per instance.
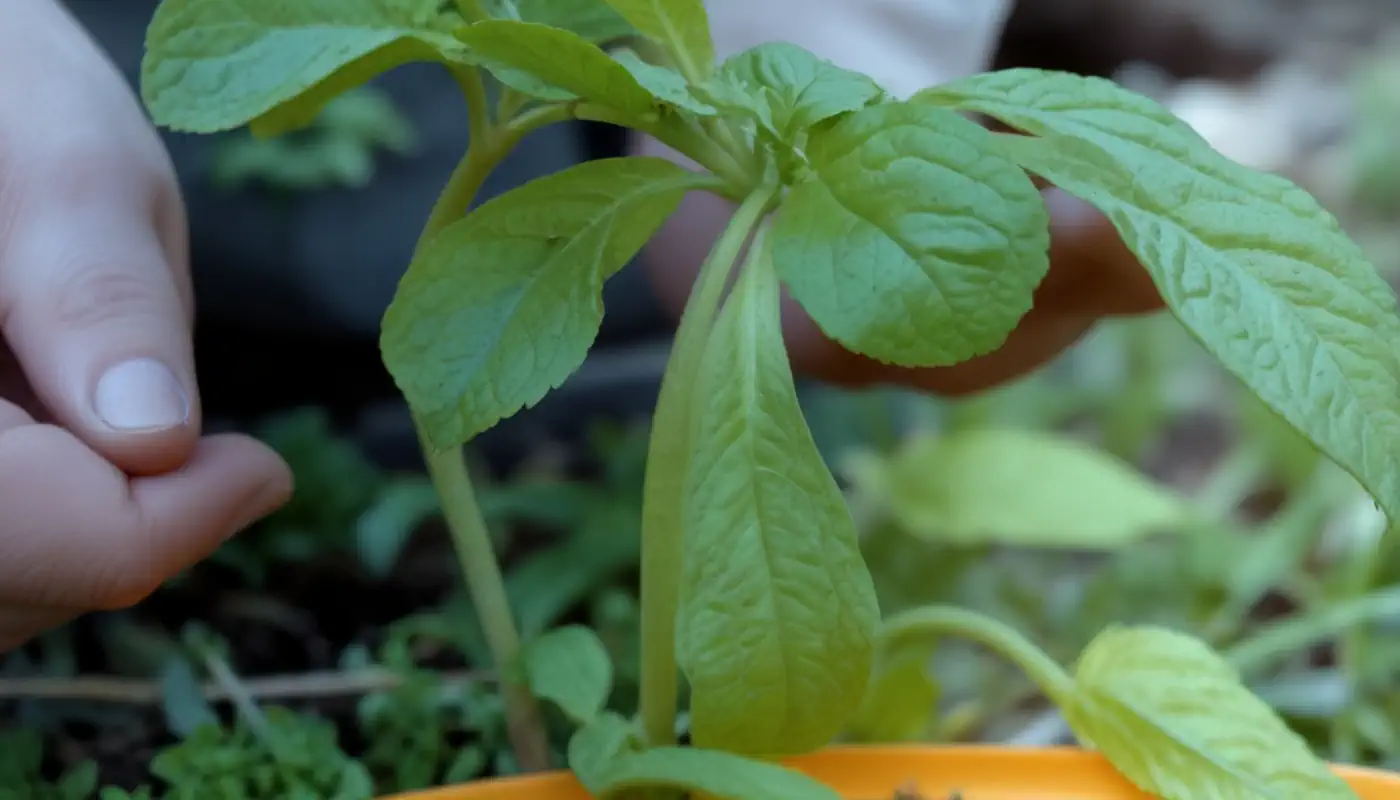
x,y
790,89
1252,265
594,20
901,700
182,698
604,757
569,667
665,84
912,241
1026,488
214,65
566,64
1173,718
681,26
504,304
777,610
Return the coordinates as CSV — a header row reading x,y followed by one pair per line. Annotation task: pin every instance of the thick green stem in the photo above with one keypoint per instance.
x,y
472,541
667,458
470,537
940,621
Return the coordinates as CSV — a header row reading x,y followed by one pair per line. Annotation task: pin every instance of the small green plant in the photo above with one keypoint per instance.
x,y
911,235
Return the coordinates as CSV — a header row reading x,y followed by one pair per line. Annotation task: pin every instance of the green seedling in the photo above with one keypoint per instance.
x,y
911,235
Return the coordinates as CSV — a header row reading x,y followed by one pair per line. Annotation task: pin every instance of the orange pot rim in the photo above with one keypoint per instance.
x,y
874,772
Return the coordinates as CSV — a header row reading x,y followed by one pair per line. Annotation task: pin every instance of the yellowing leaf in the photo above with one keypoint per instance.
x,y
556,58
1025,488
570,667
681,26
1175,720
214,65
777,611
604,757
1252,265
913,241
503,305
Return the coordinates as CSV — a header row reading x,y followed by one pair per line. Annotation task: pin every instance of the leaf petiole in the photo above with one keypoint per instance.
x,y
689,140
939,621
667,457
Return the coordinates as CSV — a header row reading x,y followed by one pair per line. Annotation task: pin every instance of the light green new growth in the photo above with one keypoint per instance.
x,y
911,235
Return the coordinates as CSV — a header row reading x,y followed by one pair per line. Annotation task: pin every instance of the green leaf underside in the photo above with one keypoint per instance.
x,y
914,241
1025,488
605,762
503,305
777,610
594,20
665,84
215,65
1173,717
553,64
681,26
788,89
1252,265
570,667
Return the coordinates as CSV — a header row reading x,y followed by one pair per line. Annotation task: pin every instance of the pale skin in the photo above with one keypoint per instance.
x,y
107,485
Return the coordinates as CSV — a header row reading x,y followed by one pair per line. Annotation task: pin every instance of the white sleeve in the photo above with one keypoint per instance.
x,y
905,45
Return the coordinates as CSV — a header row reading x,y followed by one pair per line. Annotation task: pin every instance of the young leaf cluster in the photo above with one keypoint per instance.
x,y
912,236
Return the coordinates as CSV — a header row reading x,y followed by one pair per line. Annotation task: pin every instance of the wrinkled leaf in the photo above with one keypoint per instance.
x,y
570,667
557,58
777,610
912,241
681,26
1252,265
789,89
214,65
503,305
606,759
1174,718
1026,488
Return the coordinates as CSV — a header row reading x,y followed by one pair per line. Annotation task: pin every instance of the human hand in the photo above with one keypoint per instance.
x,y
906,46
106,487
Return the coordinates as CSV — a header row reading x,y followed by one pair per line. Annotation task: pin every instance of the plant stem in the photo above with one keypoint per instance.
x,y
472,541
470,537
939,621
667,459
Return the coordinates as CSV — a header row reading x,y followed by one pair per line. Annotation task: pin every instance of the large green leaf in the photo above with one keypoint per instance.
x,y
1026,488
594,20
681,26
214,65
503,305
565,63
777,610
1174,718
605,757
1252,265
912,240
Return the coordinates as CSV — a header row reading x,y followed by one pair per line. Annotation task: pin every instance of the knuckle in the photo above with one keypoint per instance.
x,y
96,296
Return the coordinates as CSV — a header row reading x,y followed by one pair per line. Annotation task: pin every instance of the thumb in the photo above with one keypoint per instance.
x,y
96,318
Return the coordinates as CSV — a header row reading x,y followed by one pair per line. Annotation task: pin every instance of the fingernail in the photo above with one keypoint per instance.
x,y
141,395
